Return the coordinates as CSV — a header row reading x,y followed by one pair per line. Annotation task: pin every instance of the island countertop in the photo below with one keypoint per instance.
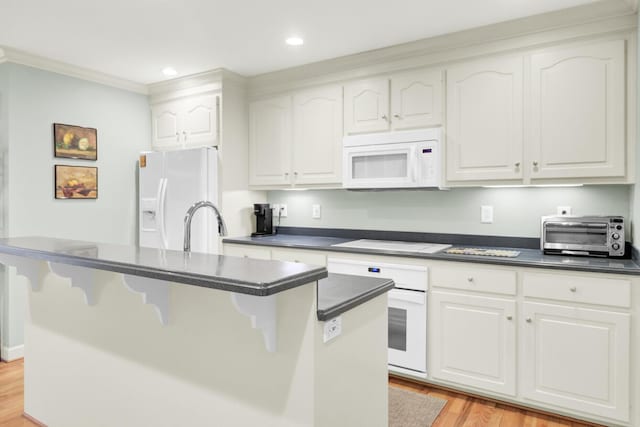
x,y
241,275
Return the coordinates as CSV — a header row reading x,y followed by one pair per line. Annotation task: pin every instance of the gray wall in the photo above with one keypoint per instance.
x,y
517,211
37,99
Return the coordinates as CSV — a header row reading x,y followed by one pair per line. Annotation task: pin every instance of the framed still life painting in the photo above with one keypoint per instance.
x,y
75,142
76,182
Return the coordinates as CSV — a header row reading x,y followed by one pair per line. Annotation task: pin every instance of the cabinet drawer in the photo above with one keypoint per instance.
x,y
468,279
305,257
247,252
589,290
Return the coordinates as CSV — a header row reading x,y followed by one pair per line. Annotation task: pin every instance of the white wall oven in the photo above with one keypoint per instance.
x,y
407,310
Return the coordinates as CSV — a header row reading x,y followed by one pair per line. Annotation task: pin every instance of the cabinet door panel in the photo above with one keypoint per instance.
x,y
577,358
270,141
578,112
473,341
317,141
366,106
416,99
165,122
200,120
484,120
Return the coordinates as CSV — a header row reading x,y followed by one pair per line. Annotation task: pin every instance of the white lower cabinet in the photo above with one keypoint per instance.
x,y
576,359
473,341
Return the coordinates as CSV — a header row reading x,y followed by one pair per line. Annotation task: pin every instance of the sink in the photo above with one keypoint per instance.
x,y
390,245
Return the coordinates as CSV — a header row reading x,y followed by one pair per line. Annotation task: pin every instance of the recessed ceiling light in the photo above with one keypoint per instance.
x,y
294,41
169,71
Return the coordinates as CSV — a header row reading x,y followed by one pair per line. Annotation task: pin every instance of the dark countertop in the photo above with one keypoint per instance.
x,y
527,257
338,293
233,274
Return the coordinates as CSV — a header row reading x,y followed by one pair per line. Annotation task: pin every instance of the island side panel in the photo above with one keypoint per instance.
x,y
114,364
351,369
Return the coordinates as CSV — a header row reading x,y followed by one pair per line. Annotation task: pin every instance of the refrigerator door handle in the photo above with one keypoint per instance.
x,y
162,196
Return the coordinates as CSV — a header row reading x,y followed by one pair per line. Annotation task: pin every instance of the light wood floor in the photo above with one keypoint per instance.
x,y
466,411
460,411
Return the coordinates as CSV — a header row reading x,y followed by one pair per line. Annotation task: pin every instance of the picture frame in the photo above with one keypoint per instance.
x,y
75,182
75,142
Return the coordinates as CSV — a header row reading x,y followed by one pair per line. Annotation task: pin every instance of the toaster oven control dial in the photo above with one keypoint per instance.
x,y
618,227
615,236
615,246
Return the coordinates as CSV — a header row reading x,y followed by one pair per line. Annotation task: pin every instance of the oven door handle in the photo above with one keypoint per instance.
x,y
415,297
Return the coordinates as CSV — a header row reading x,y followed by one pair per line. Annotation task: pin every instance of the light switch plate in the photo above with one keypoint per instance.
x,y
315,211
283,210
332,328
486,214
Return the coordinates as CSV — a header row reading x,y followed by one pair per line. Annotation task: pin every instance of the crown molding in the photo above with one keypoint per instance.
x,y
208,81
23,58
590,20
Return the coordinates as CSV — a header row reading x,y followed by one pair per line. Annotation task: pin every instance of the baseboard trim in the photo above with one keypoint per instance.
x,y
33,420
9,354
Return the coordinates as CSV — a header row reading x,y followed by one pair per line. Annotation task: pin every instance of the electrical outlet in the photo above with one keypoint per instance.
x,y
283,210
275,207
563,210
332,328
486,214
315,211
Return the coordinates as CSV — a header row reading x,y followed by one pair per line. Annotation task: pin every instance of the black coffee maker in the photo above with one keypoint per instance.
x,y
264,219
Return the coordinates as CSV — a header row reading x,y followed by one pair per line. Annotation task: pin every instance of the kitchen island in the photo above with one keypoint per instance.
x,y
128,336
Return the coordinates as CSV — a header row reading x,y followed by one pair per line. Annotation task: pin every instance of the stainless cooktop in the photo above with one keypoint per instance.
x,y
390,245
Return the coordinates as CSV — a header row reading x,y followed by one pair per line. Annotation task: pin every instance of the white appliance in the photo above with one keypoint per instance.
x,y
169,183
404,159
407,310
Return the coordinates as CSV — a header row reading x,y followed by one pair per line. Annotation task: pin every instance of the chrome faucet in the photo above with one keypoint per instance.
x,y
222,228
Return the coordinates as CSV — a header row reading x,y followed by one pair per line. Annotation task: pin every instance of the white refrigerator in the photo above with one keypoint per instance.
x,y
169,183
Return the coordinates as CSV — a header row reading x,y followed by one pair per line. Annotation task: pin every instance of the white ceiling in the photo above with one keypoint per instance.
x,y
135,39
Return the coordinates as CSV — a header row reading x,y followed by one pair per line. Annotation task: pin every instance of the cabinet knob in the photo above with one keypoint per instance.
x,y
469,279
517,164
573,289
384,117
177,136
286,174
535,164
397,116
528,319
509,317
184,133
295,174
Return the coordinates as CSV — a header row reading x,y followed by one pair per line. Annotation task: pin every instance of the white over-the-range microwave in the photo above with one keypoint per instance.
x,y
403,159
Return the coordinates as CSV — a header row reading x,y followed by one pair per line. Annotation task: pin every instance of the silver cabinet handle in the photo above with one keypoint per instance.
x,y
509,317
385,118
517,164
184,132
573,289
528,319
535,164
469,279
177,137
397,116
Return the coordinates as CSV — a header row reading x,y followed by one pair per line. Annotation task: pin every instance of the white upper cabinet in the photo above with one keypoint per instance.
x,y
200,119
191,121
270,136
317,136
416,99
484,120
578,111
366,106
407,100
